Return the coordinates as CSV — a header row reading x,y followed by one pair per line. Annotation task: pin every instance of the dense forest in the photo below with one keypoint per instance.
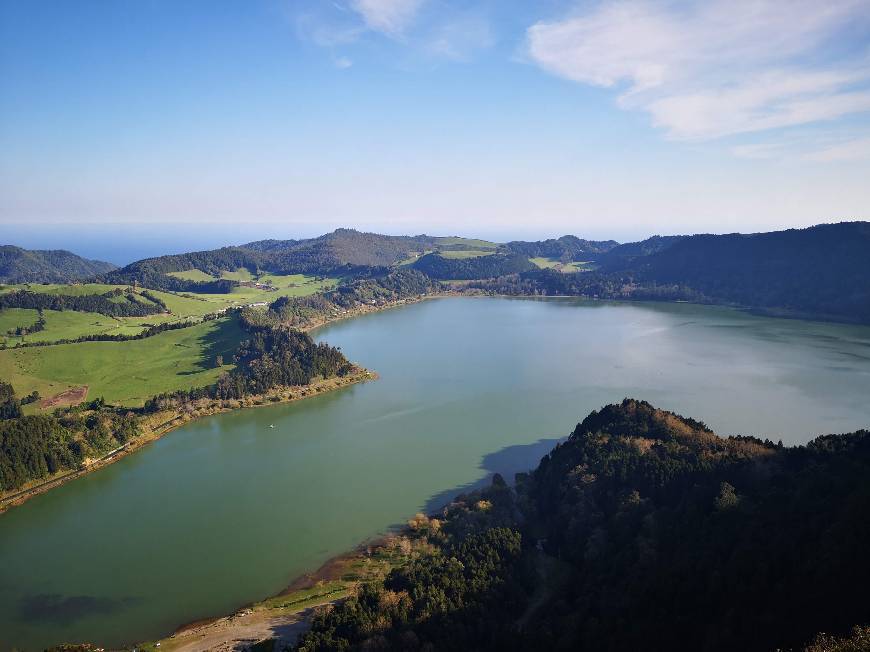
x,y
272,356
567,248
34,446
823,270
342,251
382,287
439,267
19,265
644,530
623,256
115,303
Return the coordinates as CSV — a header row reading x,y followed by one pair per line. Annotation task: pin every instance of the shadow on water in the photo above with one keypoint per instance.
x,y
508,462
51,607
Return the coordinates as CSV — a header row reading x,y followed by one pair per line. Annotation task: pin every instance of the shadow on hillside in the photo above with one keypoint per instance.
x,y
222,339
508,462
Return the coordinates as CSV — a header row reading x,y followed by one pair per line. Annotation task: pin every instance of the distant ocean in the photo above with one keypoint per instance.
x,y
122,244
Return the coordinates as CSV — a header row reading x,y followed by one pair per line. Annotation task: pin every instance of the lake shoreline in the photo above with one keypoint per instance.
x,y
175,419
172,419
292,608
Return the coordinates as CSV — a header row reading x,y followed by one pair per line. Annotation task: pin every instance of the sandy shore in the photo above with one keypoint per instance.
x,y
287,615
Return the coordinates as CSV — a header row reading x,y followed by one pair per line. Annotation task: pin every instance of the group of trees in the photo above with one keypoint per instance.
x,y
379,287
644,530
567,248
273,355
115,303
37,326
440,267
34,446
461,589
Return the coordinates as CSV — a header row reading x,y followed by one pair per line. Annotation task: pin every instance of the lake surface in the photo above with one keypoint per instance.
x,y
228,510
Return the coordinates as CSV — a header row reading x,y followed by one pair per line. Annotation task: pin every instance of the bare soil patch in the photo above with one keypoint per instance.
x,y
72,396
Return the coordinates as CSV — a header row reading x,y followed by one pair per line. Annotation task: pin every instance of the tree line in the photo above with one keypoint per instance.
x,y
129,306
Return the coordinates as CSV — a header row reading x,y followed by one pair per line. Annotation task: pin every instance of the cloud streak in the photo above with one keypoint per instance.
x,y
713,69
391,17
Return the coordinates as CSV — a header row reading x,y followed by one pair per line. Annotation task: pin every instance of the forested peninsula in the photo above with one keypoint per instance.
x,y
644,530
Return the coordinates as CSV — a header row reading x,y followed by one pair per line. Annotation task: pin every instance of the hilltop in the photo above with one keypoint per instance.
x,y
19,265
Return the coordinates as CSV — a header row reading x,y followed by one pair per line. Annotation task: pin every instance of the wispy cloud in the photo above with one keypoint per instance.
x,y
391,17
716,68
458,37
857,149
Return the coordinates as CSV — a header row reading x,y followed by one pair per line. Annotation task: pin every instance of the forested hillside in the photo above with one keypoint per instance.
x,y
643,531
823,270
820,272
341,249
19,265
623,256
567,248
439,267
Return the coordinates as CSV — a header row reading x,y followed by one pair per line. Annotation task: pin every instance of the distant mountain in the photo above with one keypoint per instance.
x,y
153,272
19,265
624,255
822,270
568,247
339,250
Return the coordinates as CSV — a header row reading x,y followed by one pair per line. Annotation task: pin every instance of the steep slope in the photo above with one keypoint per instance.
x,y
823,270
19,265
624,255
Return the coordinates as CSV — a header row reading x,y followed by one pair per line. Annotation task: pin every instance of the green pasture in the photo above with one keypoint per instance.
x,y
125,373
69,324
555,263
466,253
470,243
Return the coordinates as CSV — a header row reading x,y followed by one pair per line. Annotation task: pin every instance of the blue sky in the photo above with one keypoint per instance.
x,y
497,118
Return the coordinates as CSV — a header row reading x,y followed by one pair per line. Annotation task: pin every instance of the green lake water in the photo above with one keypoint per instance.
x,y
227,510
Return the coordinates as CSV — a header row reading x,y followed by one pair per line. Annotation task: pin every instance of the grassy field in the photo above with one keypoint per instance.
x,y
240,274
68,324
12,318
192,275
189,304
126,373
555,263
71,289
467,253
469,243
130,372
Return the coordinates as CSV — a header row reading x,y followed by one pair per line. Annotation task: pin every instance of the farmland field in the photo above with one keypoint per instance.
x,y
467,253
470,243
125,372
555,263
69,324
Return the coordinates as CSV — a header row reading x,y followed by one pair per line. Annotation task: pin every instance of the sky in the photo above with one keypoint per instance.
x,y
199,122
